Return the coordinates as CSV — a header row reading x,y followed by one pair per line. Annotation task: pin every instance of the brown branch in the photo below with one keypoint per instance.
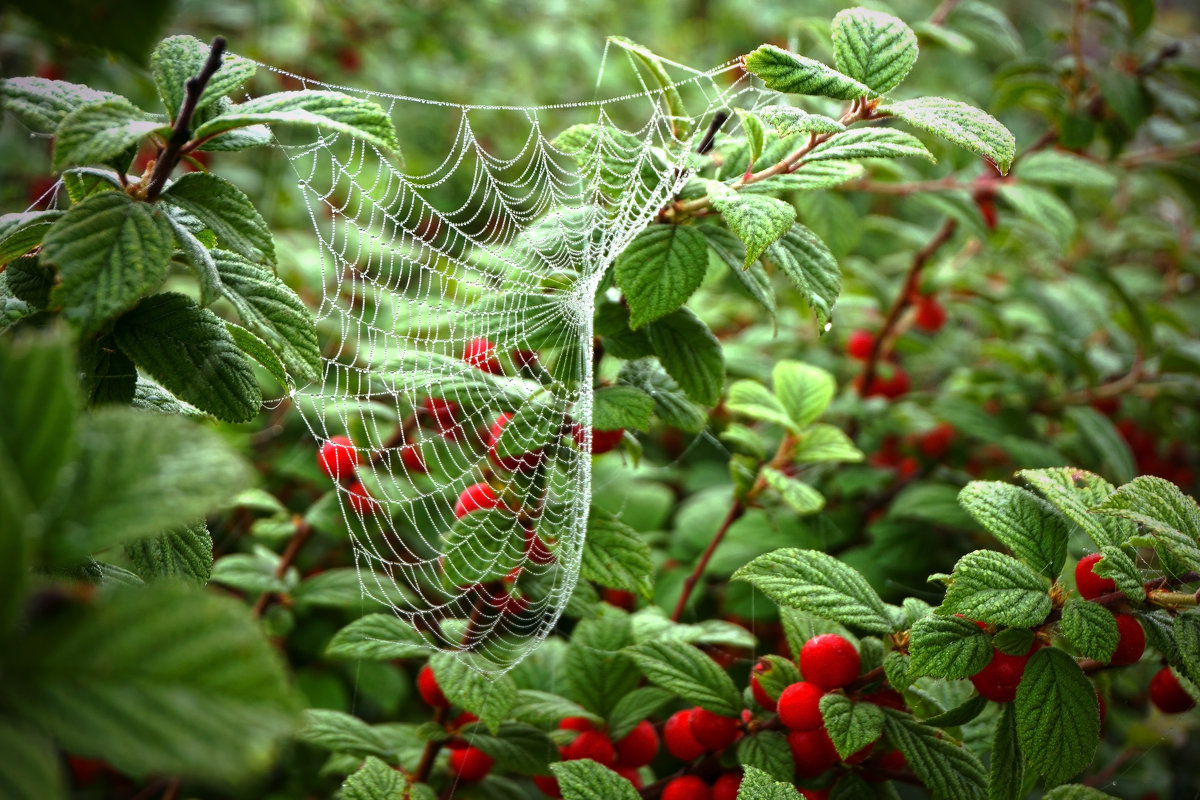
x,y
736,510
1159,154
1114,388
912,187
302,534
938,17
429,754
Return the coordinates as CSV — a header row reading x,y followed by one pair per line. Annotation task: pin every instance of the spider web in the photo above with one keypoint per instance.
x,y
465,291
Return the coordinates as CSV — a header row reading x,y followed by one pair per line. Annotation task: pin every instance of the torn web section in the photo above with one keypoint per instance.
x,y
460,296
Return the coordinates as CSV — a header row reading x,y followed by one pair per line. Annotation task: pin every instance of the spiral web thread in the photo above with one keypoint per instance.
x,y
415,270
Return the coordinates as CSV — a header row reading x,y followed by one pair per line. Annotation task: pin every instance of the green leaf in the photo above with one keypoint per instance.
x,y
810,265
1006,772
690,354
961,124
1186,628
378,637
1059,168
176,59
689,673
948,647
110,250
671,405
257,349
851,725
226,211
482,546
1058,718
822,443
520,748
961,714
1099,436
789,73
809,176
339,732
949,771
1023,522
874,48
634,707
32,770
789,121
754,278
996,588
1043,209
659,270
615,555
1090,628
42,103
1014,641
804,390
1163,511
752,399
547,709
653,63
489,698
1124,572
802,498
819,584
534,426
869,143
756,219
116,680
1075,491
769,752
184,554
587,780
20,233
760,785
191,353
97,133
612,160
621,406
323,110
1075,791
374,780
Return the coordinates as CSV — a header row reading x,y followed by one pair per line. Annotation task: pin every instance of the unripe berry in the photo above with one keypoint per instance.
x,y
1167,695
429,689
470,763
1132,643
547,785
594,745
1089,584
481,354
360,500
678,737
998,680
337,458
687,787
859,344
812,751
713,731
639,746
726,786
476,497
518,463
930,314
829,661
799,706
602,441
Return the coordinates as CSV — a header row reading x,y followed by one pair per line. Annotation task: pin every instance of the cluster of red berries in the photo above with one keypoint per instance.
x,y
626,756
339,459
901,454
468,763
1169,463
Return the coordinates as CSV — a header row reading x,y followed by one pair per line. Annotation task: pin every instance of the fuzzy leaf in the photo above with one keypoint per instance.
x,y
1121,568
587,780
787,72
802,498
374,780
1162,510
659,270
1023,522
1058,168
179,58
621,406
875,48
760,785
808,262
789,121
959,123
1186,628
690,354
96,133
804,390
996,588
757,220
1090,628
950,771
948,647
183,554
226,211
1058,718
20,233
689,673
489,698
323,110
633,708
482,546
1075,491
378,637
769,752
42,103
615,555
519,747
754,400
340,732
1006,773
851,725
869,143
822,443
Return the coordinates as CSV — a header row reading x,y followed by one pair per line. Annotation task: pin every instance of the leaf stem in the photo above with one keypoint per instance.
x,y
736,510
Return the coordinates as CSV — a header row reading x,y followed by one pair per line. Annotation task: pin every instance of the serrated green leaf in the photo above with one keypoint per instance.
x,y
959,123
690,354
961,714
1075,791
183,554
752,399
756,219
42,103
1023,522
948,770
754,279
20,233
339,732
488,697
1090,628
257,349
874,48
374,780
659,270
689,673
621,406
769,752
996,588
760,785
484,545
615,555
1058,718
110,250
948,647
29,281
191,353
789,121
822,443
611,159
96,133
1074,492
634,707
851,725
226,211
323,110
1006,772
868,143
671,405
597,671
1014,641
1186,628
804,391
752,130
587,780
519,747
1124,572
809,175
1059,168
533,426
780,673
178,58
819,584
808,262
800,497
787,72
378,637
1162,510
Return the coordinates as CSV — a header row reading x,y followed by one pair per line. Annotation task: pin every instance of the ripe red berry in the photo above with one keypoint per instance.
x,y
998,680
547,785
337,458
630,774
639,746
930,314
687,787
519,463
934,444
413,461
602,441
429,689
726,786
594,745
576,724
713,731
536,550
470,763
85,771
859,344
760,694
812,751
476,497
481,354
891,761
897,384
829,661
444,414
1132,643
799,706
1089,584
1167,695
619,598
678,737
361,500
815,794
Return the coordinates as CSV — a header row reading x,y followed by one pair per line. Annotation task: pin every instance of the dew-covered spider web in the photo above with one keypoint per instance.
x,y
462,293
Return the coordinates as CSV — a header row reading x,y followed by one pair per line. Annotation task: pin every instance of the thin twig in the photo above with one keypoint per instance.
x,y
429,754
736,510
303,532
938,17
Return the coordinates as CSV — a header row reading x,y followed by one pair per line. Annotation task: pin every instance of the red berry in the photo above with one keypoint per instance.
x,y
713,731
620,598
859,344
760,694
85,771
470,763
936,443
602,441
443,412
687,787
410,456
594,745
360,500
930,314
860,755
998,680
829,661
547,785
1089,584
639,746
520,463
678,737
726,787
463,720
337,458
815,794
476,497
897,385
428,687
481,354
799,706
1108,406
630,774
1167,695
891,761
888,698
576,724
536,550
1132,643
812,751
